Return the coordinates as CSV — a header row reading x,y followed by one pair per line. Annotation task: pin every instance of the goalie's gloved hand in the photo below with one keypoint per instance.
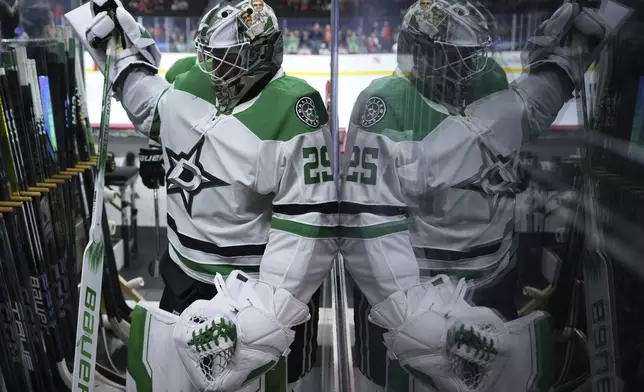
x,y
105,23
435,333
137,47
151,167
571,39
227,342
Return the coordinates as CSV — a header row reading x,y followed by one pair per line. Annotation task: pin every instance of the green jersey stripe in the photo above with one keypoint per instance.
x,y
365,232
155,128
213,269
303,229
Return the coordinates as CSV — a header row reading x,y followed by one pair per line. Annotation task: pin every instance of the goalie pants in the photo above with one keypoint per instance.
x,y
181,291
370,354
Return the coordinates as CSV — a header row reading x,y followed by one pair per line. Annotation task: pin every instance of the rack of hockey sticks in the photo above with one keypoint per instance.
x,y
46,181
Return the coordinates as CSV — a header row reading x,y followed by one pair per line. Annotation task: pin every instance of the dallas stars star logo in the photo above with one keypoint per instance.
x,y
498,176
187,176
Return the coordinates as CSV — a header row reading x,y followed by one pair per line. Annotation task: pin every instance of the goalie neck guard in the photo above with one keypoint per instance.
x,y
239,44
442,48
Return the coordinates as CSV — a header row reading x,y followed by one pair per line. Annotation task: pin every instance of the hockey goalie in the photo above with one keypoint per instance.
x,y
432,175
250,189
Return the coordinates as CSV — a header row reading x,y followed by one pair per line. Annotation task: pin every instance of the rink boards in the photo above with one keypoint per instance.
x,y
356,72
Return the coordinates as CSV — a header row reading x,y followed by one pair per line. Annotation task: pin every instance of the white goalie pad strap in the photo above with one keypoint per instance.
x,y
263,318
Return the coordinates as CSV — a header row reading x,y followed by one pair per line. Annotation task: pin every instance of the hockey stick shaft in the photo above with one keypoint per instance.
x,y
92,272
156,221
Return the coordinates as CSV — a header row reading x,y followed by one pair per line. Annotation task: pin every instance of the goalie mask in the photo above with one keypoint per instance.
x,y
238,44
442,48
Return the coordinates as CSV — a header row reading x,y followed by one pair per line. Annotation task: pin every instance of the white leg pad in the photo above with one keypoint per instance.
x,y
153,362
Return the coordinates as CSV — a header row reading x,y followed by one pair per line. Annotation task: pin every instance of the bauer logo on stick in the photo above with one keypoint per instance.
x,y
306,112
374,111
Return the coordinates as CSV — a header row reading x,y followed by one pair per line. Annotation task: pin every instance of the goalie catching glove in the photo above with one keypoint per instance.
x,y
451,346
224,356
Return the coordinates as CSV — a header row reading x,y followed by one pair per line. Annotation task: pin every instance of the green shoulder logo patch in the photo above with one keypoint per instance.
x,y
374,111
306,112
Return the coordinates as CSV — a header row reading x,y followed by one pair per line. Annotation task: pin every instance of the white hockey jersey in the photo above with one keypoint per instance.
x,y
253,186
445,177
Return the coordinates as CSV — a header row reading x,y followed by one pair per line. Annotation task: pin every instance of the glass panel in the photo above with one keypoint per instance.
x,y
612,259
545,228
328,362
540,225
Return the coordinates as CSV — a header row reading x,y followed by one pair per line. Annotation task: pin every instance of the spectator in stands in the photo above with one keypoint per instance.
x,y
385,37
327,35
373,44
304,44
394,47
378,35
316,38
353,42
178,43
293,42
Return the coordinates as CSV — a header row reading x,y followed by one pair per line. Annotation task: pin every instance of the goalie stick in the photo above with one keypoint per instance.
x,y
12,363
15,375
91,276
46,271
78,122
52,119
25,227
49,281
77,145
52,179
81,156
116,308
37,134
60,243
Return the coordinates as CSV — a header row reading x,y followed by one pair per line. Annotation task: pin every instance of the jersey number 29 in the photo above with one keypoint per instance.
x,y
317,166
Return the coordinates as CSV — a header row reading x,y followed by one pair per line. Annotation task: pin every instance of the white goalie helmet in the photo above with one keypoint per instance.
x,y
238,44
442,47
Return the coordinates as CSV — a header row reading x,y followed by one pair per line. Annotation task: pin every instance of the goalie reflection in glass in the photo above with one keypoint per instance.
x,y
431,181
